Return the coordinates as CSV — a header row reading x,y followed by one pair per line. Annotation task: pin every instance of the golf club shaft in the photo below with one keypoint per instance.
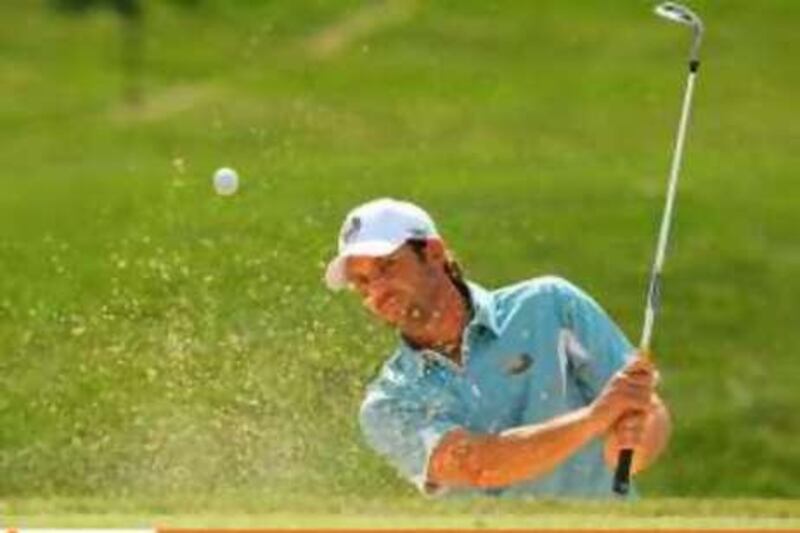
x,y
625,459
654,285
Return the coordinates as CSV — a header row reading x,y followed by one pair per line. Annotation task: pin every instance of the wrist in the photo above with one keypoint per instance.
x,y
592,420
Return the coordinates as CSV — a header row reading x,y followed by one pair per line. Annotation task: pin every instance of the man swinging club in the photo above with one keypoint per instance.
x,y
526,390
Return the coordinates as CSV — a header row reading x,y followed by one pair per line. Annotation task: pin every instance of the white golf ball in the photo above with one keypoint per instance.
x,y
226,181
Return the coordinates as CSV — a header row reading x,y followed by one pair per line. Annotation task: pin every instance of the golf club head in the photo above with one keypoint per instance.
x,y
678,13
683,15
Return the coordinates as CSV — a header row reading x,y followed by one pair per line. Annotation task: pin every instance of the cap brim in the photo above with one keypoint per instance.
x,y
335,275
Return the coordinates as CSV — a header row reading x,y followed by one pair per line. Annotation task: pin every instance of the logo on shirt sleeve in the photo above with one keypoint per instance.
x,y
519,364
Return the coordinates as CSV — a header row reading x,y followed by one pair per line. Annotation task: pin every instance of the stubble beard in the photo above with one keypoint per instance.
x,y
417,316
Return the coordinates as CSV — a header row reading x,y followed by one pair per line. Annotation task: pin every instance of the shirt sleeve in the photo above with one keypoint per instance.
x,y
400,426
595,346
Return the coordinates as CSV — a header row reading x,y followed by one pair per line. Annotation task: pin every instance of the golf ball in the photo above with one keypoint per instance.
x,y
226,181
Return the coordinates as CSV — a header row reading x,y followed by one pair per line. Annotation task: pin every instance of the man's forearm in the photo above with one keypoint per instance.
x,y
518,454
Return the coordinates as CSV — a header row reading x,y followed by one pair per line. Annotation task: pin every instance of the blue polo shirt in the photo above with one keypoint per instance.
x,y
531,352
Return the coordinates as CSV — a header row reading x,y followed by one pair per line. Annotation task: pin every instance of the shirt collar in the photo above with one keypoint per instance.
x,y
483,308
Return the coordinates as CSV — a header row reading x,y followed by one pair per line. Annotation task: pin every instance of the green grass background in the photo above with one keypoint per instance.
x,y
156,339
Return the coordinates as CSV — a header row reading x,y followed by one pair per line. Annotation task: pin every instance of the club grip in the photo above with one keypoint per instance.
x,y
622,476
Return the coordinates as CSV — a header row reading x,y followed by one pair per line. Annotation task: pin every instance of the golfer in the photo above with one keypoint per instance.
x,y
526,390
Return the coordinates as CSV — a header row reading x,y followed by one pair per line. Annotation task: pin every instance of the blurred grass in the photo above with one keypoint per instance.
x,y
248,511
157,339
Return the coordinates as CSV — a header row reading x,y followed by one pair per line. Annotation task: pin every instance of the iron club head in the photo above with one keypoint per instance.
x,y
678,13
683,15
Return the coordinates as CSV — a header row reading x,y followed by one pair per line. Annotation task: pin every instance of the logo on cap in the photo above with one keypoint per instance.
x,y
418,233
351,230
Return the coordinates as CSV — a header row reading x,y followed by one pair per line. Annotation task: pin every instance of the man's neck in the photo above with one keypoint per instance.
x,y
444,333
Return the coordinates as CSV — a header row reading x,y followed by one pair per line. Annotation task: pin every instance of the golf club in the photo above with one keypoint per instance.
x,y
676,13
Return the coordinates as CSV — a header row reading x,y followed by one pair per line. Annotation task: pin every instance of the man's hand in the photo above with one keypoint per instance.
x,y
628,431
628,392
644,429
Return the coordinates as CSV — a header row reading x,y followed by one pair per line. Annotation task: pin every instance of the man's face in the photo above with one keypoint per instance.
x,y
399,288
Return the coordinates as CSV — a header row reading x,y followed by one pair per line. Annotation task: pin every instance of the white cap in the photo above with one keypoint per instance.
x,y
375,229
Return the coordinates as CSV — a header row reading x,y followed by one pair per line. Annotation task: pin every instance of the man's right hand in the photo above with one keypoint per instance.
x,y
629,391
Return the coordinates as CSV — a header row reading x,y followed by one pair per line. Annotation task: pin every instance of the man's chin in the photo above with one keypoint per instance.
x,y
390,322
415,321
393,320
